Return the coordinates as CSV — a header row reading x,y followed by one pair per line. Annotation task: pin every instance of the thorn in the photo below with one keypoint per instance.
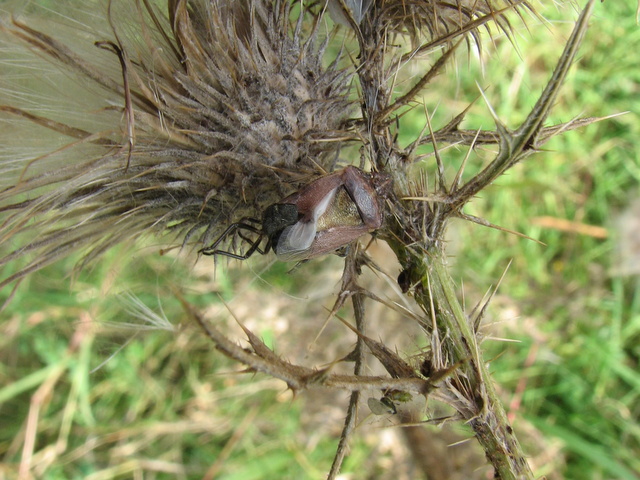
x,y
457,120
502,129
458,178
485,223
478,319
442,181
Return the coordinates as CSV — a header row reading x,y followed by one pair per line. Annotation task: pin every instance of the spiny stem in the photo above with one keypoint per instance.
x,y
517,144
484,411
426,267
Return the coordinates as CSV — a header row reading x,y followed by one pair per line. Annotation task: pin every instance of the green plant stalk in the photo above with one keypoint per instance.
x,y
483,410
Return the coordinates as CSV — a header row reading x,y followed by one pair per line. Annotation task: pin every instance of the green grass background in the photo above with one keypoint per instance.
x,y
163,405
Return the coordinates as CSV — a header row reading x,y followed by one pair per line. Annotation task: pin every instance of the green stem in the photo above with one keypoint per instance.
x,y
483,409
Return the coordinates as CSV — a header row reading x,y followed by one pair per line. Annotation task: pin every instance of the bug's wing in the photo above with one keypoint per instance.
x,y
295,241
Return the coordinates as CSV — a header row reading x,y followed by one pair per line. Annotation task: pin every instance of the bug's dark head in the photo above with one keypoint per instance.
x,y
277,217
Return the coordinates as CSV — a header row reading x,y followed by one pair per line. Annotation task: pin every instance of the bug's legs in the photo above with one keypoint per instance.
x,y
255,247
213,248
254,242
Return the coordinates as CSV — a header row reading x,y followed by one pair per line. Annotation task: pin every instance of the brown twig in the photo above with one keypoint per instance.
x,y
349,278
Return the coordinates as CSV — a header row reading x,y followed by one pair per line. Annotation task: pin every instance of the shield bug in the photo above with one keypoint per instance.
x,y
321,217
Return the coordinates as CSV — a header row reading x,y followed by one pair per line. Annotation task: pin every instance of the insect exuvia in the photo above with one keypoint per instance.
x,y
321,217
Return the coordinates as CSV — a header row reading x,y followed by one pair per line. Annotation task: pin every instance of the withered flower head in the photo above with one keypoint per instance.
x,y
434,19
217,109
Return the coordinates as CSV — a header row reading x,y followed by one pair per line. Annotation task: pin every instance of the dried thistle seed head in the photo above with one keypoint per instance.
x,y
207,108
436,19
